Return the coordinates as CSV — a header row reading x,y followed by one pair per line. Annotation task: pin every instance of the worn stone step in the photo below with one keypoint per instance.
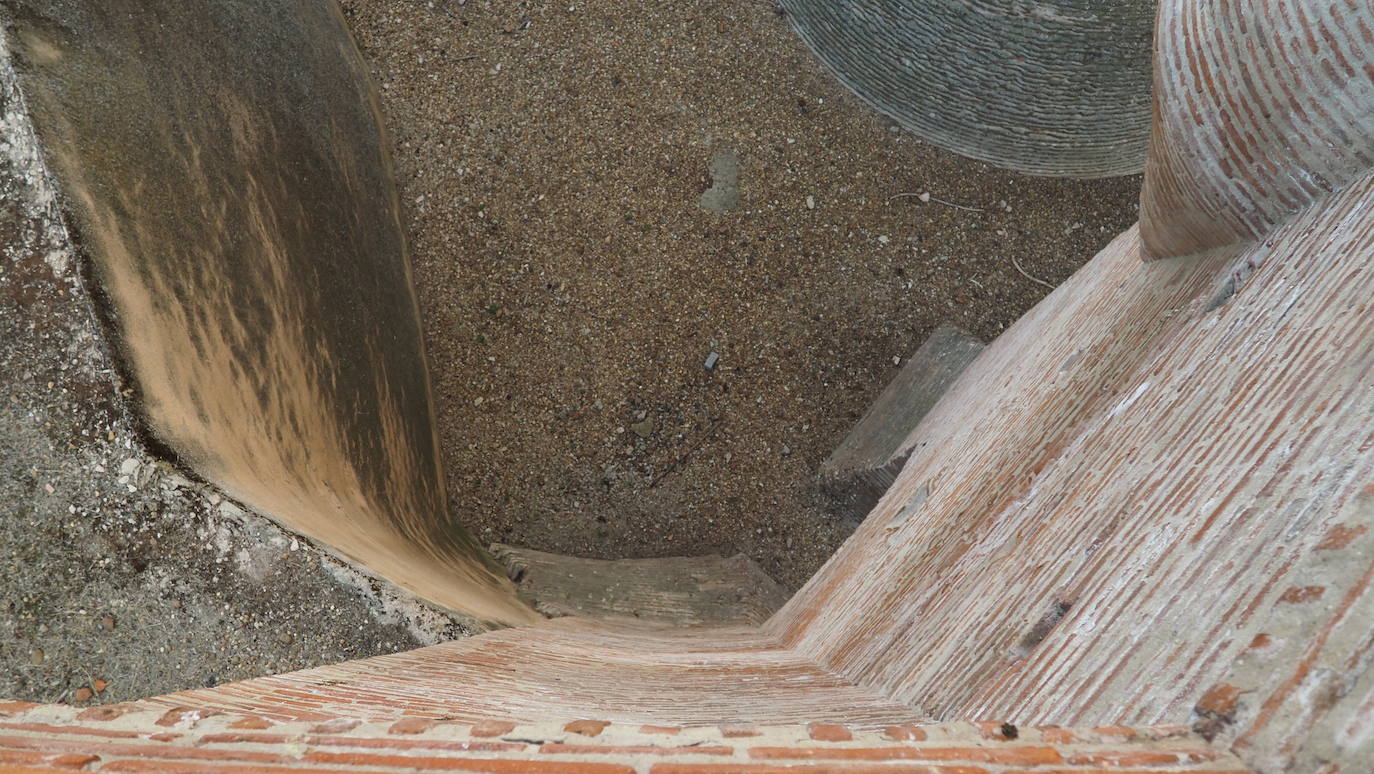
x,y
868,460
681,590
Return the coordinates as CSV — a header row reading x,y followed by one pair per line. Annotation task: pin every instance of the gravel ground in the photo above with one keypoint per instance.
x,y
600,195
119,576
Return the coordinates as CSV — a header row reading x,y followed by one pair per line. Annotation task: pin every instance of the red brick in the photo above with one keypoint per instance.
x,y
1220,699
465,764
176,715
1116,733
492,728
554,748
8,708
1055,734
335,726
411,726
1300,594
1012,756
107,712
1140,758
905,733
44,728
829,732
997,730
829,768
138,750
738,731
6,768
1340,536
666,730
68,761
586,727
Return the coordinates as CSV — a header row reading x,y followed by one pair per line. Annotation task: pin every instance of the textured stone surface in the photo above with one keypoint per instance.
x,y
237,212
681,590
866,463
1049,87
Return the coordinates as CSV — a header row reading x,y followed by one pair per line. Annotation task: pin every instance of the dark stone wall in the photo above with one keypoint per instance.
x,y
226,179
1047,87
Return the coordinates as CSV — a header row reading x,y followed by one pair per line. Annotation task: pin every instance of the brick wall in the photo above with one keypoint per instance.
x,y
191,741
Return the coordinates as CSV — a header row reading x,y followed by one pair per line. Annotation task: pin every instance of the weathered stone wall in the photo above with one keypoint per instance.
x,y
1048,87
225,175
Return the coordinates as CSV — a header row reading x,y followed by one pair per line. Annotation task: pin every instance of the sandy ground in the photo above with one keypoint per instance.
x,y
564,167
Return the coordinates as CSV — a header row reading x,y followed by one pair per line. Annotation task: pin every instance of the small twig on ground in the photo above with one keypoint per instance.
x,y
1015,263
710,431
925,196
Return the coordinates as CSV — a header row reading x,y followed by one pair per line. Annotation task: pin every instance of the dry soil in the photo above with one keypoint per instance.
x,y
564,167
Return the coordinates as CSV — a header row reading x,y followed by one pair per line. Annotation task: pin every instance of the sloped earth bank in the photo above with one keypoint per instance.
x,y
120,577
568,172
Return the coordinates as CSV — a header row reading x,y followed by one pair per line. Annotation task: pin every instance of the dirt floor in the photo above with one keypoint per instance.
x,y
602,195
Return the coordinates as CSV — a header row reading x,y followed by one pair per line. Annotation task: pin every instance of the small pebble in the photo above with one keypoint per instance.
x,y
100,685
108,622
36,657
82,694
711,361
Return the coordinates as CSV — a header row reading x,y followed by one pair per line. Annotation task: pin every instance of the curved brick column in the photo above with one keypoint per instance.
x,y
1262,108
1056,88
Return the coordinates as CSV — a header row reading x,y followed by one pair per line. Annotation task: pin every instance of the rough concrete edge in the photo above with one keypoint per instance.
x,y
388,603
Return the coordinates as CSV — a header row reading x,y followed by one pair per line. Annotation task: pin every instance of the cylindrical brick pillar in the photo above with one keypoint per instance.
x,y
1046,87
